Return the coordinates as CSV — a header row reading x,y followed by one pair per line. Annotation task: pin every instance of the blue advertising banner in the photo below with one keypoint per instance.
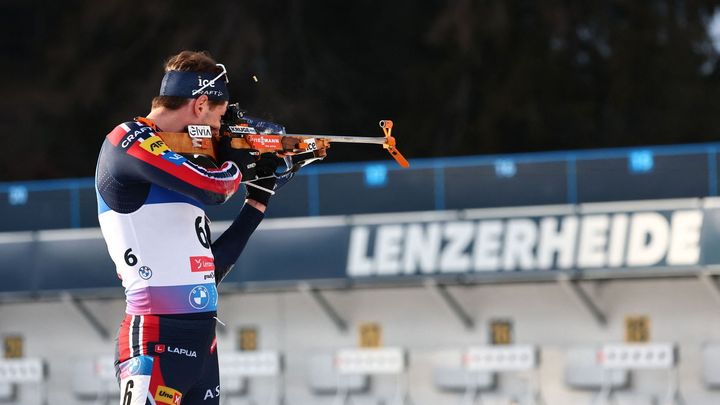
x,y
674,234
619,238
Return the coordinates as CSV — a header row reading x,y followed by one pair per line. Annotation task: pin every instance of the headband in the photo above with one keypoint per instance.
x,y
194,84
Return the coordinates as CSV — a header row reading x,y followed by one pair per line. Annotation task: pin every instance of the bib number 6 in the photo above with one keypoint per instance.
x,y
202,230
130,259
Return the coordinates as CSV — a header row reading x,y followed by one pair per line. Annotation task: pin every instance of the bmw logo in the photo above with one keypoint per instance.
x,y
145,272
134,365
199,297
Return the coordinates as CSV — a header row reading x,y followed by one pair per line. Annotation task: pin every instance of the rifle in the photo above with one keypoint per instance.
x,y
201,140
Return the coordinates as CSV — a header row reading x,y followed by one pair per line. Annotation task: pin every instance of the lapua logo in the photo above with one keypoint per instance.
x,y
181,351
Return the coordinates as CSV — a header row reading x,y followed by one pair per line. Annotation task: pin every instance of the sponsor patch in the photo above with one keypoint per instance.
x,y
264,141
167,395
145,272
174,158
182,351
242,129
199,131
133,134
199,297
201,263
140,365
159,348
154,145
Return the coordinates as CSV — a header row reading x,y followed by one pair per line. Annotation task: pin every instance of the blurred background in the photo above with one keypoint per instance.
x,y
554,240
458,77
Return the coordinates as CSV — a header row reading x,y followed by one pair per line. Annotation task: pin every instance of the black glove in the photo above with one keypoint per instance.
x,y
265,169
246,159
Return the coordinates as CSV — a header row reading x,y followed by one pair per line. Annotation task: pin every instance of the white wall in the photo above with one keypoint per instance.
x,y
681,310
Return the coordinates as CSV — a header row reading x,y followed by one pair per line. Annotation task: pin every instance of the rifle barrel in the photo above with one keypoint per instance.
x,y
344,139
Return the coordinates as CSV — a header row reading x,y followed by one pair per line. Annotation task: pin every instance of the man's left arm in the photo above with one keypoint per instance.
x,y
228,247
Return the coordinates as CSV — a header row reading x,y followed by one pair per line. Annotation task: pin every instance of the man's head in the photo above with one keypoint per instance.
x,y
194,82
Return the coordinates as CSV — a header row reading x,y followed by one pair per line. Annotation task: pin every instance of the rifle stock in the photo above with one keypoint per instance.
x,y
282,145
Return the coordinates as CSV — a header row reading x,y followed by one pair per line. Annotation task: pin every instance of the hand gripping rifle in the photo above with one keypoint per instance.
x,y
200,140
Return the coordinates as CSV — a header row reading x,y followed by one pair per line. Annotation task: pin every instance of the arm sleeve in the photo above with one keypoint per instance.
x,y
228,247
142,156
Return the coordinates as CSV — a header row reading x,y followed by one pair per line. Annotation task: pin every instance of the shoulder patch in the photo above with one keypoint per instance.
x,y
135,131
154,145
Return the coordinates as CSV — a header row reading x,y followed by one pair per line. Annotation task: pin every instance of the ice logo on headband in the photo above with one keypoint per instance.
x,y
193,84
205,82
211,83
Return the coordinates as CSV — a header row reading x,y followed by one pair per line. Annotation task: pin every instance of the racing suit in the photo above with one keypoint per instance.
x,y
150,209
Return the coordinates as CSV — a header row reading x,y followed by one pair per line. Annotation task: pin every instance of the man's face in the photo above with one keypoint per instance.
x,y
211,116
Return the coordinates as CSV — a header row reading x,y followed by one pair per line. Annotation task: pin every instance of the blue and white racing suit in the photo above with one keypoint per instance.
x,y
150,208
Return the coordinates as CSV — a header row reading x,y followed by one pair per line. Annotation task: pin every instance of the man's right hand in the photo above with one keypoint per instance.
x,y
246,159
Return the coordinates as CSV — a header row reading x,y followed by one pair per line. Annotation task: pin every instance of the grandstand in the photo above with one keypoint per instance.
x,y
579,277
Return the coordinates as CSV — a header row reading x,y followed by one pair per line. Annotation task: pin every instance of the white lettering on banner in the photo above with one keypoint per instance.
x,y
648,241
685,238
556,241
454,258
422,245
520,238
488,245
358,263
388,248
592,241
592,250
618,240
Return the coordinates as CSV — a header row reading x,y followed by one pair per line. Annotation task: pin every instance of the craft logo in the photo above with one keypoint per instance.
x,y
126,142
217,93
154,145
167,395
199,131
131,136
145,272
159,348
199,297
201,263
611,240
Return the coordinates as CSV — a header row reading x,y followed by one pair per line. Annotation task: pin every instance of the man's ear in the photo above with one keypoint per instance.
x,y
200,105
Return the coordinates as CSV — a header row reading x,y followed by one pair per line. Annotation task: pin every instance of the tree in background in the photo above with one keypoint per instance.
x,y
459,77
